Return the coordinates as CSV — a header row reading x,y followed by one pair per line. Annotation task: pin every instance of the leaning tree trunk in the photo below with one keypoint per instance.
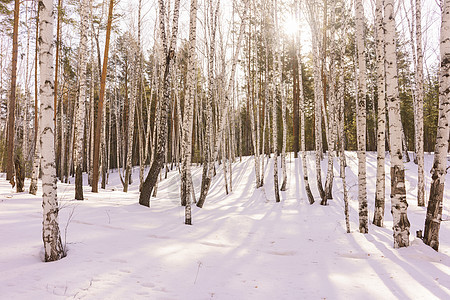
x,y
439,170
381,124
399,205
361,115
169,55
209,163
81,102
53,248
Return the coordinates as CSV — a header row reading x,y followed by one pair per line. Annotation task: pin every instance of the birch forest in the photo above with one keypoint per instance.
x,y
95,90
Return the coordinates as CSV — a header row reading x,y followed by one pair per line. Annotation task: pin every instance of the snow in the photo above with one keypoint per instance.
x,y
240,246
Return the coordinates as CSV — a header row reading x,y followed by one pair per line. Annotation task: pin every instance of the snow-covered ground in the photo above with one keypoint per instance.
x,y
241,246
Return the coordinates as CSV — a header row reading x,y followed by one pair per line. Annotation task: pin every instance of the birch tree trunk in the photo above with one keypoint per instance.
x,y
37,144
312,19
283,146
275,86
332,128
221,119
399,205
80,112
361,115
378,216
188,115
302,119
130,126
53,248
439,170
419,108
169,54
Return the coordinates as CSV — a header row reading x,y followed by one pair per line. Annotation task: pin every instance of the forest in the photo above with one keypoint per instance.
x,y
195,111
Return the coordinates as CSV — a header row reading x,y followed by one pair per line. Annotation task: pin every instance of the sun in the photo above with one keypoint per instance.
x,y
290,25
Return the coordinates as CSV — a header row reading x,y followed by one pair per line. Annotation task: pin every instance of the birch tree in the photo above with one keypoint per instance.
x,y
399,205
37,144
419,107
188,115
53,248
81,101
439,169
361,118
302,117
378,216
168,46
312,20
275,87
222,119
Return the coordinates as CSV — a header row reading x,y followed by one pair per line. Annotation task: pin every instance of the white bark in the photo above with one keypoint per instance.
x,y
302,119
419,108
399,205
361,115
439,170
331,126
36,164
188,115
275,88
80,107
312,19
53,249
381,124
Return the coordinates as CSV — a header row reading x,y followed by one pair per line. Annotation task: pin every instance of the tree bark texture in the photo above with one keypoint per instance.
x,y
53,248
399,205
439,170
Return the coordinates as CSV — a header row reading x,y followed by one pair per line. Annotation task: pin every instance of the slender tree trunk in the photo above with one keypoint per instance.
x,y
221,120
169,54
419,102
12,97
361,115
312,16
129,130
275,87
399,205
37,144
53,248
331,110
96,154
80,110
188,115
302,120
378,216
439,170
